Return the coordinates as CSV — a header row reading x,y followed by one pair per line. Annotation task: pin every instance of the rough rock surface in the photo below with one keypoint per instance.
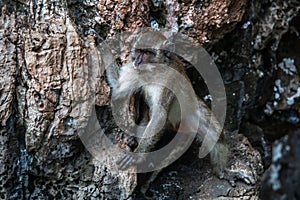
x,y
192,178
281,180
44,107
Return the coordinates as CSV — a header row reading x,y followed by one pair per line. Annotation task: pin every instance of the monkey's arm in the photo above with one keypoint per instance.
x,y
154,130
124,140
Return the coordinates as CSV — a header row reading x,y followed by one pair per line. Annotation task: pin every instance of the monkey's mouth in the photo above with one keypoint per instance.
x,y
143,56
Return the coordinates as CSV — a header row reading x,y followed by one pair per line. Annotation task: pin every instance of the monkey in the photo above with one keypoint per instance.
x,y
157,97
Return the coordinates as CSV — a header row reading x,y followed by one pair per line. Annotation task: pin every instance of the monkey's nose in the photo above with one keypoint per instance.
x,y
138,60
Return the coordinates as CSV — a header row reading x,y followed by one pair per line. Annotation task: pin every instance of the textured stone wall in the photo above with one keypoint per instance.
x,y
44,106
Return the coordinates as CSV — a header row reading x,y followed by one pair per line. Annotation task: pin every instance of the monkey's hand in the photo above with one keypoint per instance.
x,y
131,142
127,142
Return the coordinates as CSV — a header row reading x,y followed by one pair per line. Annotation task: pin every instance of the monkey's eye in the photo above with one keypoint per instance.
x,y
138,51
148,52
144,51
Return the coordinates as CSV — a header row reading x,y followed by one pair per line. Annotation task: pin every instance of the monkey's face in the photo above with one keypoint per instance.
x,y
142,56
148,56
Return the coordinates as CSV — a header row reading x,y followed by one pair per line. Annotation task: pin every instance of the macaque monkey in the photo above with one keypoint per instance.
x,y
156,97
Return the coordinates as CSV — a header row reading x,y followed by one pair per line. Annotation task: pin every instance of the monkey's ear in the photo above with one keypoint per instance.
x,y
112,75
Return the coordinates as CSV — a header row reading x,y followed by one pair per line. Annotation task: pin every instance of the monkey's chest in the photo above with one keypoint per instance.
x,y
163,100
155,94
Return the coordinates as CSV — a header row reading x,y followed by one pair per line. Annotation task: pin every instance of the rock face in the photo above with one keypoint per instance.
x,y
44,107
48,55
281,180
192,178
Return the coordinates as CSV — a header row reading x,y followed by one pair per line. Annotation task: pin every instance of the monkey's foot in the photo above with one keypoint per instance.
x,y
232,176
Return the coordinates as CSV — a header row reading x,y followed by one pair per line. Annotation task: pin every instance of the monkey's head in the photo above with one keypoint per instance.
x,y
151,47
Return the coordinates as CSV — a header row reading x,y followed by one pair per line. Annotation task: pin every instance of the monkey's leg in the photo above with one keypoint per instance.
x,y
158,99
145,187
144,180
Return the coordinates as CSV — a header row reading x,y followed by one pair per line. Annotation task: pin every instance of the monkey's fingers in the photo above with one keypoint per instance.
x,y
132,143
127,161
